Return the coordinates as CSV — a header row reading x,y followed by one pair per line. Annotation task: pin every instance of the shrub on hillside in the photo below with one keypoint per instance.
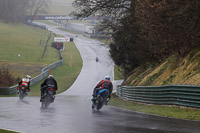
x,y
6,78
154,30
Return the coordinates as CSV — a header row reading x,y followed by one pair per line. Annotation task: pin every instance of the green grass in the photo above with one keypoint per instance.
x,y
23,40
66,74
150,79
6,131
167,111
118,72
169,80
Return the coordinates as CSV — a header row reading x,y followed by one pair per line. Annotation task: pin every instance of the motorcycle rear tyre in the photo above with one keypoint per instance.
x,y
99,103
21,95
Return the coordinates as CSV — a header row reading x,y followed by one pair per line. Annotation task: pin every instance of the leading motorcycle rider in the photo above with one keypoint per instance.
x,y
25,82
103,84
49,82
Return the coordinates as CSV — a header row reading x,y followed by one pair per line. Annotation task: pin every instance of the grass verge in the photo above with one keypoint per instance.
x,y
21,50
6,131
118,72
66,74
166,111
21,43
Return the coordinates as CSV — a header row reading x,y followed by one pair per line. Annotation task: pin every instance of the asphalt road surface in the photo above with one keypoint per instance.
x,y
71,112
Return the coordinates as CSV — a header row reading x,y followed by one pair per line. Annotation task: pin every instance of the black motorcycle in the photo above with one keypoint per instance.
x,y
97,59
48,97
102,99
22,92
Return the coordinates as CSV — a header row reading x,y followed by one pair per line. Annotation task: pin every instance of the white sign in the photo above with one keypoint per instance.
x,y
61,39
58,17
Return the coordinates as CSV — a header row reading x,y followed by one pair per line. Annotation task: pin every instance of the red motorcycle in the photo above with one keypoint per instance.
x,y
22,92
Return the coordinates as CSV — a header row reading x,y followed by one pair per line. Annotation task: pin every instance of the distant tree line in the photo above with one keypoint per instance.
x,y
16,10
146,31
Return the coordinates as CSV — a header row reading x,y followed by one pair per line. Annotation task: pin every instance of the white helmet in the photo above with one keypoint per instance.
x,y
107,77
50,76
28,76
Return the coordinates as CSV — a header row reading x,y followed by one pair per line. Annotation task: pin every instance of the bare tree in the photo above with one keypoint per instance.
x,y
38,7
112,10
146,31
16,10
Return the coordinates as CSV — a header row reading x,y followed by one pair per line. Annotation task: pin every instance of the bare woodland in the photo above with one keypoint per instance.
x,y
143,31
17,10
146,31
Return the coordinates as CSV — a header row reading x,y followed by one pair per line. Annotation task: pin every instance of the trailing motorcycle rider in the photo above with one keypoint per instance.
x,y
25,82
49,82
103,84
97,59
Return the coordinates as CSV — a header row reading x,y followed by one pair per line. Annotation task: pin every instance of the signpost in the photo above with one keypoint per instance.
x,y
57,45
61,39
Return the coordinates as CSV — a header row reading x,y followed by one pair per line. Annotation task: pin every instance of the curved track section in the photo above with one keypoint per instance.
x,y
71,112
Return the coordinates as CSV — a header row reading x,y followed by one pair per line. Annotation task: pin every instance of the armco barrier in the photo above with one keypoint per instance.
x,y
12,90
4,91
180,95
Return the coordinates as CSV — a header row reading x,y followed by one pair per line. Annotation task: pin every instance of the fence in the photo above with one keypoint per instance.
x,y
35,25
12,90
181,95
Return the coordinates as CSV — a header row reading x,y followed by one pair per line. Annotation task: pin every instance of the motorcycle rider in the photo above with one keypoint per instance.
x,y
49,82
25,82
97,59
103,84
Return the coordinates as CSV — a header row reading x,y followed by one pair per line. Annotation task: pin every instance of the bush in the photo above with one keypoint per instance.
x,y
6,78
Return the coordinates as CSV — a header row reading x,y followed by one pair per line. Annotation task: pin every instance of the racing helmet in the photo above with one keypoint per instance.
x,y
50,76
28,76
107,77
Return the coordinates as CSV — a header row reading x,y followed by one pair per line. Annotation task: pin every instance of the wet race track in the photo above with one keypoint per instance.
x,y
71,112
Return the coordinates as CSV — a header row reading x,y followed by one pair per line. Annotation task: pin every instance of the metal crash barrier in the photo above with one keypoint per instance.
x,y
180,95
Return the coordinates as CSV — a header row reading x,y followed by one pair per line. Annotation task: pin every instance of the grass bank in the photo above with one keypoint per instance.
x,y
166,111
174,70
21,43
21,50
